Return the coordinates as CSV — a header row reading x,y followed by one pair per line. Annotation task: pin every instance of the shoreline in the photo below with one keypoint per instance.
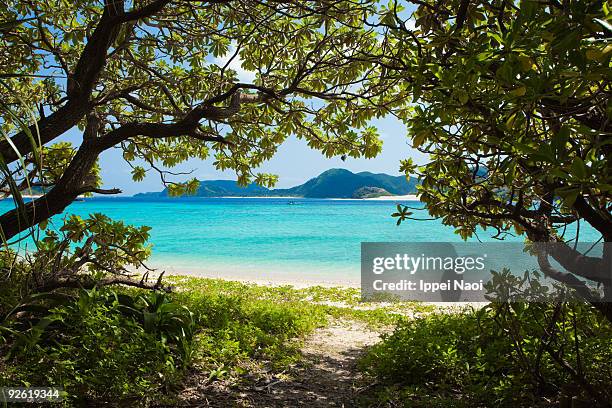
x,y
250,197
257,278
406,197
10,196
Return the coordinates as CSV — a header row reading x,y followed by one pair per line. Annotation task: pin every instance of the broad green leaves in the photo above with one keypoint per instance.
x,y
161,67
402,214
502,110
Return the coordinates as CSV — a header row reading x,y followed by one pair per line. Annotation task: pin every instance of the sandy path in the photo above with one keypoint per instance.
x,y
327,376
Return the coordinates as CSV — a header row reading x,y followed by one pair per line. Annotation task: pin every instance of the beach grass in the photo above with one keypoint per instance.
x,y
336,301
233,329
232,342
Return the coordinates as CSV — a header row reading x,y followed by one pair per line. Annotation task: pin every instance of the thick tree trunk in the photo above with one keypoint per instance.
x,y
45,130
57,199
80,85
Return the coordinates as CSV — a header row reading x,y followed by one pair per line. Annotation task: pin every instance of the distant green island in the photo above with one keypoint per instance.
x,y
334,183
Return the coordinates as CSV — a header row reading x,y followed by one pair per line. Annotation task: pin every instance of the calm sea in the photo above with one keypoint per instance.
x,y
264,237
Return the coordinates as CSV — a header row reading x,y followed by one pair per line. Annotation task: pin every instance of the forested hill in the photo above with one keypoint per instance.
x,y
334,183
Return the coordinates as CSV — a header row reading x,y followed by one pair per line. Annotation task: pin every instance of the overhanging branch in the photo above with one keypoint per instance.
x,y
567,278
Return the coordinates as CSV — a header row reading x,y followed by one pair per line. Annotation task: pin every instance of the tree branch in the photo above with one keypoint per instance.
x,y
80,83
86,282
588,267
101,191
188,126
599,221
567,278
64,192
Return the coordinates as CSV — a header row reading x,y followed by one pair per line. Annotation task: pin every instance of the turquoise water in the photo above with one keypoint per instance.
x,y
318,238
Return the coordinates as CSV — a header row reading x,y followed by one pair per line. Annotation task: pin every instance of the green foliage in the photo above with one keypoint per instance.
x,y
53,163
241,321
506,354
402,214
500,93
438,356
336,302
162,67
97,242
100,344
125,344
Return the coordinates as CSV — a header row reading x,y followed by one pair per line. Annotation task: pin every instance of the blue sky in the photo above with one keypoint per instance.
x,y
294,163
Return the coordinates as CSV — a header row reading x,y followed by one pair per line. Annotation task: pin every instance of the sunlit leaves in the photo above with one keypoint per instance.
x,y
188,188
266,179
407,167
162,66
402,214
109,245
138,173
496,109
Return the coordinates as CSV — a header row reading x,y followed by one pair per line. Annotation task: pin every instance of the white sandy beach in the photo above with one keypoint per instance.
x,y
262,278
395,198
262,197
24,196
407,197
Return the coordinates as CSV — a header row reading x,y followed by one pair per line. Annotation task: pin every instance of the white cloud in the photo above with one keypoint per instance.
x,y
411,23
236,65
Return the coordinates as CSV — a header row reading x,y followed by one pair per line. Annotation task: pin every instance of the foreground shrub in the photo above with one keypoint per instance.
x,y
134,346
438,356
99,345
507,354
239,321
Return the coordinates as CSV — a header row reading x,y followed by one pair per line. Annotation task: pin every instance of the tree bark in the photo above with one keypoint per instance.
x,y
80,83
65,191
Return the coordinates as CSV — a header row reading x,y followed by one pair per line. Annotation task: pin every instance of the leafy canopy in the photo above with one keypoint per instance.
x,y
166,81
169,62
512,104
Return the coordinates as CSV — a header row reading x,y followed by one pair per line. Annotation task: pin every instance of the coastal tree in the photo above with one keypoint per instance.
x,y
158,79
511,103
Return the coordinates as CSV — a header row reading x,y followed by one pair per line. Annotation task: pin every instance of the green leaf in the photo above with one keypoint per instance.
x,y
569,198
520,91
138,173
560,140
544,153
504,72
578,169
462,96
420,137
149,321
